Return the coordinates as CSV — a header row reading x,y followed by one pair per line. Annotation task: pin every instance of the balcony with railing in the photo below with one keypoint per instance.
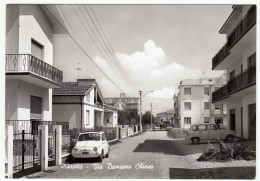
x,y
242,81
240,30
31,69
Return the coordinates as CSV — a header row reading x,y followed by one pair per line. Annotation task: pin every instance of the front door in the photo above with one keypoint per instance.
x,y
252,121
232,120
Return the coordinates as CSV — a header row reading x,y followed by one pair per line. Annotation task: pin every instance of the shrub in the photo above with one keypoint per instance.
x,y
226,152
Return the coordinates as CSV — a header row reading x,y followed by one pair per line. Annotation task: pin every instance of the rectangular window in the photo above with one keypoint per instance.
x,y
36,49
206,90
206,119
87,117
88,97
217,106
187,105
206,105
187,120
187,91
251,60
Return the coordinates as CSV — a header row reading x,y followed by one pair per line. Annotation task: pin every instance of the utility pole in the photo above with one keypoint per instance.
x,y
141,128
151,114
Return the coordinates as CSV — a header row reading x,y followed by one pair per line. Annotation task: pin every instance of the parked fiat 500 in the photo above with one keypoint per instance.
x,y
207,131
91,145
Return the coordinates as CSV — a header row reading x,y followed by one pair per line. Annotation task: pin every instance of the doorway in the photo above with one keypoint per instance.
x,y
232,119
252,121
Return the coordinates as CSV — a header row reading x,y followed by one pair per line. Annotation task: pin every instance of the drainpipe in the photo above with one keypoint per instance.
x,y
81,104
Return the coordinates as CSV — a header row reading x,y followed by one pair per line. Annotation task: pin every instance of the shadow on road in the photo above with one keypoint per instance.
x,y
70,160
213,173
159,146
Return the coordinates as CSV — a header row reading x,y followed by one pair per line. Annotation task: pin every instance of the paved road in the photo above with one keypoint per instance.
x,y
151,155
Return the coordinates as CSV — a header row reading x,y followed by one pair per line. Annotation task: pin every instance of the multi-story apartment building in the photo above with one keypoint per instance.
x,y
30,74
238,58
194,104
123,102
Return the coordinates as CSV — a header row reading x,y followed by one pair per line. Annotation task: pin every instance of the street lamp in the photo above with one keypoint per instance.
x,y
140,93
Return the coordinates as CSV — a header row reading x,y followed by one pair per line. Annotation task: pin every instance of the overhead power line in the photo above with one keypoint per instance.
x,y
81,47
109,44
107,53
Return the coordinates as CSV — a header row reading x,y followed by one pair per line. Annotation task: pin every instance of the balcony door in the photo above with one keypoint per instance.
x,y
232,119
252,121
36,108
36,50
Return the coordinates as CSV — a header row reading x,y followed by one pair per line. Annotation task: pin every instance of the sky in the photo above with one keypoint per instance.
x,y
156,45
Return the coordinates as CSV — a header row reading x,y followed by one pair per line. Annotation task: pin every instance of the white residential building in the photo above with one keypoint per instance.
x,y
194,102
238,58
30,74
82,105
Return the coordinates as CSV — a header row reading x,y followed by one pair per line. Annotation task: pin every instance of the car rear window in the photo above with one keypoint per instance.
x,y
203,127
89,136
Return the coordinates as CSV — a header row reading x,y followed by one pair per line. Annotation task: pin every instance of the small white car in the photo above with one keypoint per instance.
x,y
91,145
208,131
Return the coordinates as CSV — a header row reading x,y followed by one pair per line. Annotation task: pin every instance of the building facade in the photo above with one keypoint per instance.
x,y
162,118
30,74
82,105
194,102
238,58
123,102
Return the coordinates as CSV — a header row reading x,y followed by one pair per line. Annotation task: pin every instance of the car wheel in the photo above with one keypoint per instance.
x,y
72,159
100,158
107,155
195,140
230,139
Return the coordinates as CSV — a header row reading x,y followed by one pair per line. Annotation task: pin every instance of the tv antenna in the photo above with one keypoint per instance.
x,y
78,69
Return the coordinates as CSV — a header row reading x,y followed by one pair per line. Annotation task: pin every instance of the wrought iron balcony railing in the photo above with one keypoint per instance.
x,y
240,30
29,63
219,94
245,79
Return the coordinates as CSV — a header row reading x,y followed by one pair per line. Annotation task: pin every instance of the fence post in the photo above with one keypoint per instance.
x,y
9,150
44,146
58,144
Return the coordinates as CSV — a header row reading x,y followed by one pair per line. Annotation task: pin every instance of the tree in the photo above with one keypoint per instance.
x,y
146,118
128,117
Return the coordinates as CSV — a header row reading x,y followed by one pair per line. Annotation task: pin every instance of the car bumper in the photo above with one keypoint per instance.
x,y
85,154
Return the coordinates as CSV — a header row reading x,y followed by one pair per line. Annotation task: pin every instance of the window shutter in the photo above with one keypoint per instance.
x,y
36,50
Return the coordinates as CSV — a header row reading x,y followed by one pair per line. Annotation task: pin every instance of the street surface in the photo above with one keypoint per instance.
x,y
151,155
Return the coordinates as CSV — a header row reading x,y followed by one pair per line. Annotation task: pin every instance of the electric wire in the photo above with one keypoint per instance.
x,y
81,47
